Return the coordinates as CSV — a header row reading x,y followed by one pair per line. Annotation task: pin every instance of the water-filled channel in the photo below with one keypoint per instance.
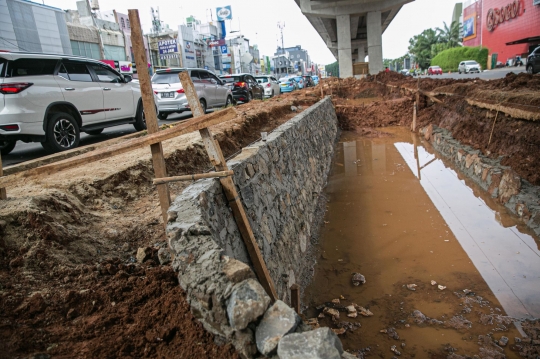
x,y
404,219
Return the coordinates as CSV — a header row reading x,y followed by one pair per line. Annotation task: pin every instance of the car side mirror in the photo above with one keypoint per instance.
x,y
128,78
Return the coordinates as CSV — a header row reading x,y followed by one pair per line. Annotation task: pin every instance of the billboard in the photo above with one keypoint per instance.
x,y
224,13
469,27
167,47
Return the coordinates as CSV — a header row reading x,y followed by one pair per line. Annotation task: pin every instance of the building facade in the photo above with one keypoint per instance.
x,y
29,26
508,28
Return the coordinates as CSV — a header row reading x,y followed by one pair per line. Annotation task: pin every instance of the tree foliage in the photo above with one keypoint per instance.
x,y
332,69
449,59
450,35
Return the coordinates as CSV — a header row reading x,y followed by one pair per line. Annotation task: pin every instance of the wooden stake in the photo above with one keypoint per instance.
x,y
295,297
414,118
218,160
492,128
416,155
160,169
193,177
3,193
322,89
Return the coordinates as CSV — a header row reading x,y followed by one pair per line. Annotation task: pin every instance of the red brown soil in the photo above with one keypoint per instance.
x,y
516,140
69,282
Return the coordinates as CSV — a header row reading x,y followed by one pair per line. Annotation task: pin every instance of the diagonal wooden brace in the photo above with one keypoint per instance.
x,y
217,159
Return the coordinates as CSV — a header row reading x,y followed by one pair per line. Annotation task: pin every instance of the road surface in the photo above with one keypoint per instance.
x,y
29,151
486,75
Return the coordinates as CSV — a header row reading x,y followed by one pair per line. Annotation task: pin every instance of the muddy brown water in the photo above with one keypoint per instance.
x,y
384,222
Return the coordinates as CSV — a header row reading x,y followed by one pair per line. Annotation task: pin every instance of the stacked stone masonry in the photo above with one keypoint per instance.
x,y
501,182
279,182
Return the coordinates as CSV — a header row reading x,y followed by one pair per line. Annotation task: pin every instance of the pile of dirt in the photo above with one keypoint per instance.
x,y
70,283
513,139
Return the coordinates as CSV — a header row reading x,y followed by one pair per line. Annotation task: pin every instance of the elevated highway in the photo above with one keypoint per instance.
x,y
352,29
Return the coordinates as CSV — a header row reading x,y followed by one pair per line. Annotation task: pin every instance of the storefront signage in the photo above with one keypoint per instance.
x,y
224,13
167,47
214,43
498,16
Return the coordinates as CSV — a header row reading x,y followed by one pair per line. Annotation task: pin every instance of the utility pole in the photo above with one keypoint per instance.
x,y
281,26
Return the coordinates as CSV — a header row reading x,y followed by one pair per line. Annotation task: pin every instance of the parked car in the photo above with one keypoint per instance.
x,y
53,98
169,94
469,66
308,81
533,61
434,70
300,81
244,87
270,85
287,84
315,79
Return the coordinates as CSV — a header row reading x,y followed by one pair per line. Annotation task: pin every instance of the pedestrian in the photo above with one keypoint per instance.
x,y
387,69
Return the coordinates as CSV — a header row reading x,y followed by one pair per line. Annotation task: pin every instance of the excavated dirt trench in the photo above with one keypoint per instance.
x,y
70,283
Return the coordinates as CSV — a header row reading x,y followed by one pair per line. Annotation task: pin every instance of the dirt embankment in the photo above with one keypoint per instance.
x,y
70,282
391,103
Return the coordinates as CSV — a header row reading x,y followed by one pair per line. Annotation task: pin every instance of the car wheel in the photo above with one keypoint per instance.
x,y
229,101
250,97
140,119
7,146
62,133
272,95
95,132
459,72
162,116
203,105
262,95
529,71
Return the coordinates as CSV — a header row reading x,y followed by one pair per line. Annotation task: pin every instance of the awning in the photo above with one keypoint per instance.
x,y
525,40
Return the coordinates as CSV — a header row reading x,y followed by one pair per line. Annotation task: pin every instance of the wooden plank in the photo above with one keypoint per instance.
x,y
147,94
413,126
193,177
295,297
123,147
217,158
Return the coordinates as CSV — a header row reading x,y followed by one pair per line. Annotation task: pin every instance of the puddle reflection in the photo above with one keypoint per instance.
x,y
508,260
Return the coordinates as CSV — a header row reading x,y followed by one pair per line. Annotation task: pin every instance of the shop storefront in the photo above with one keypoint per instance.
x,y
508,28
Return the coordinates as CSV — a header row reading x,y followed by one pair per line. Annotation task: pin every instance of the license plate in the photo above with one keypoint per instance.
x,y
167,95
284,85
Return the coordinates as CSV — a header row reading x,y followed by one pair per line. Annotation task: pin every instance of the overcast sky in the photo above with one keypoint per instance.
x,y
257,20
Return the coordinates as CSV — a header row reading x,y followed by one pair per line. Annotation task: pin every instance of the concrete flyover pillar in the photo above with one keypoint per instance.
x,y
361,53
374,37
344,45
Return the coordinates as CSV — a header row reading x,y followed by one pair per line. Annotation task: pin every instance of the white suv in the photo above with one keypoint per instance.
x,y
53,98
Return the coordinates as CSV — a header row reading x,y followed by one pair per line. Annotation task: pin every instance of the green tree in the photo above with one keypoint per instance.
x,y
450,35
332,69
421,47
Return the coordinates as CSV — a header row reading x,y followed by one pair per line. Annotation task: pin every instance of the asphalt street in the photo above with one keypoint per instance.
x,y
485,75
29,151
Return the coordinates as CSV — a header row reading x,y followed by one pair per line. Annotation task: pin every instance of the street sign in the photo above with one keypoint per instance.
x,y
214,43
167,47
224,13
224,49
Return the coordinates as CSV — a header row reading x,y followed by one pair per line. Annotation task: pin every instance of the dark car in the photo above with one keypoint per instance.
x,y
308,81
244,87
533,61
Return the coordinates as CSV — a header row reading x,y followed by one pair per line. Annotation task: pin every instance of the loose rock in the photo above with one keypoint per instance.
x,y
144,254
321,343
237,271
278,321
411,286
358,279
247,303
503,341
164,256
332,312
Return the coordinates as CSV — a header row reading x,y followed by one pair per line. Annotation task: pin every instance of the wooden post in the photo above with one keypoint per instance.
x,y
413,126
416,155
295,297
160,169
218,160
3,193
322,88
193,177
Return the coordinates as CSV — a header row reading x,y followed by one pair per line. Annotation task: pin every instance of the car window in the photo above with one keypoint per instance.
x,y
77,71
214,78
262,80
165,78
195,75
105,75
471,63
205,76
231,79
31,67
3,63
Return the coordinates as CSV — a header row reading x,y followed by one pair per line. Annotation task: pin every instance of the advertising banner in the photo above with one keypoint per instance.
x,y
214,43
224,13
125,67
469,27
167,47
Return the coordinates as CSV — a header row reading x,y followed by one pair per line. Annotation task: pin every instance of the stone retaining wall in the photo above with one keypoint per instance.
x,y
279,182
501,182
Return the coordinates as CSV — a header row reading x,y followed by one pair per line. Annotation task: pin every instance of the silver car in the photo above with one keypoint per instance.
x,y
469,66
170,97
270,85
